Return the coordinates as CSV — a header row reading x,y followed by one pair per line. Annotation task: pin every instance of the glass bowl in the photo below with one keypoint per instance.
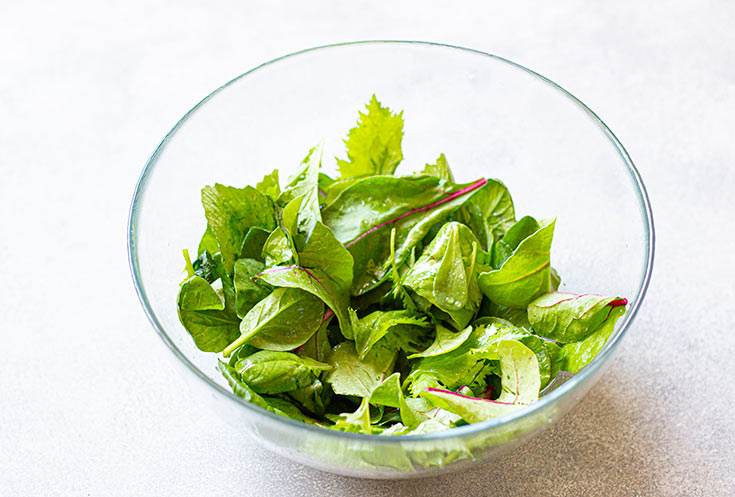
x,y
491,117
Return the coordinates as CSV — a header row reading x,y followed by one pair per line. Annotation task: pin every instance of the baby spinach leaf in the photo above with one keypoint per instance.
x,y
305,184
252,244
324,270
524,275
196,294
496,205
208,242
247,291
577,355
242,390
350,375
231,212
284,320
444,274
277,372
269,185
313,398
440,170
374,146
566,317
373,327
445,341
318,346
362,216
503,248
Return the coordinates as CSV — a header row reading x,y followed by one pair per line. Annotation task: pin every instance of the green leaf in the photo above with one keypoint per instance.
x,y
350,375
278,372
496,206
324,270
314,398
358,421
231,212
577,355
284,320
269,185
524,275
520,373
440,170
471,409
248,292
362,216
318,346
503,248
444,274
252,244
196,294
305,184
242,390
566,317
373,327
445,341
208,243
374,146
389,393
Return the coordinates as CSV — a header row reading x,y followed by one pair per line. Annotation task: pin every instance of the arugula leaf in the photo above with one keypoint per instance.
x,y
284,320
248,292
373,327
444,274
277,372
374,146
524,275
566,317
350,375
269,185
445,341
439,170
231,212
362,216
324,270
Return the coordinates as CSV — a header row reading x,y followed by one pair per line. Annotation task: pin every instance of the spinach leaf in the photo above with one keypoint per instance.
x,y
252,244
277,372
242,390
445,276
248,291
374,145
566,317
305,184
196,294
324,270
524,275
314,398
503,248
496,205
208,243
318,346
284,320
231,212
269,185
362,216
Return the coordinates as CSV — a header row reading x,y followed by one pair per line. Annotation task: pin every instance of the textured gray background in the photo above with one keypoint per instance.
x,y
89,405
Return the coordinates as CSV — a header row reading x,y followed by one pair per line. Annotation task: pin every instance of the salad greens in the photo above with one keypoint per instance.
x,y
384,304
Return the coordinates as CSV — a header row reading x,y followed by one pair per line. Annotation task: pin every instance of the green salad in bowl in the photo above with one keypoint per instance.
x,y
381,302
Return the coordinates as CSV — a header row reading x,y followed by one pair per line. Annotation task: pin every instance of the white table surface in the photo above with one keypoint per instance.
x,y
89,405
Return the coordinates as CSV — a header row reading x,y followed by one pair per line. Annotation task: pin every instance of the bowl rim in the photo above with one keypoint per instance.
x,y
462,431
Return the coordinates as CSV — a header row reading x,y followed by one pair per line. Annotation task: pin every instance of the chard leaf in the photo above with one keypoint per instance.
x,y
524,275
577,355
350,375
278,372
374,145
444,274
196,294
269,185
324,270
470,409
362,215
520,373
373,327
440,170
284,320
248,292
445,341
566,317
231,212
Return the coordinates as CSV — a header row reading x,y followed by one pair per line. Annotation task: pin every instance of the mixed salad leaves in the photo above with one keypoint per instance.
x,y
380,303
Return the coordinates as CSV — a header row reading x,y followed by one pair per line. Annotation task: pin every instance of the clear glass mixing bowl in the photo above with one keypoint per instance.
x,y
491,117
